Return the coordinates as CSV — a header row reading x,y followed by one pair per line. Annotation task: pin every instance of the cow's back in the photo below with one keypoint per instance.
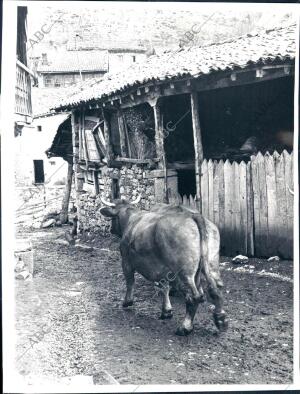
x,y
160,242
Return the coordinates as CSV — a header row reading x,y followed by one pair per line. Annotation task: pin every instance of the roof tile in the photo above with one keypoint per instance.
x,y
70,61
267,47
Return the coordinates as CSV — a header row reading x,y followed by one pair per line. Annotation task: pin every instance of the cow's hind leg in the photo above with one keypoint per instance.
x,y
166,310
220,319
215,293
192,300
129,278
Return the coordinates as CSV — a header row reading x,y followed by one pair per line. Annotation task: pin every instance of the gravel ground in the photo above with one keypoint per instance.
x,y
70,321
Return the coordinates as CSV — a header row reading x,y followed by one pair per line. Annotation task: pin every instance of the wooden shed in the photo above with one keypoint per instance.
x,y
209,127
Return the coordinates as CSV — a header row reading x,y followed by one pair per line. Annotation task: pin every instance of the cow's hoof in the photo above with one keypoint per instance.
x,y
166,315
183,331
220,321
126,304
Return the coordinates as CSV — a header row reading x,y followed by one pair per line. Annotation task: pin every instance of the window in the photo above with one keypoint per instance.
x,y
115,189
48,81
57,83
39,128
133,59
120,58
39,176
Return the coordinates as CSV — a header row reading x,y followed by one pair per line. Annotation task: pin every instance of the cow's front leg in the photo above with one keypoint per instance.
x,y
192,300
129,278
166,310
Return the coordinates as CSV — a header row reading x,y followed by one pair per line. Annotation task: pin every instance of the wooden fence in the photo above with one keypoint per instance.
x,y
250,203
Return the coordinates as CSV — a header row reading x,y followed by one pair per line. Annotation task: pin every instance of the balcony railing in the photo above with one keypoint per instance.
x,y
23,90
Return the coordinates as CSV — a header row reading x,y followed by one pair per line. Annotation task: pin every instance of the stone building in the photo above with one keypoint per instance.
x,y
209,126
67,68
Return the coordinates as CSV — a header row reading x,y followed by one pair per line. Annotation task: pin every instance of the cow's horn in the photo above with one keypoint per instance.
x,y
291,191
109,204
137,200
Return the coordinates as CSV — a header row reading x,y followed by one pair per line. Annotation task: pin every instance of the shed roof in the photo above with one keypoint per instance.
x,y
72,61
271,46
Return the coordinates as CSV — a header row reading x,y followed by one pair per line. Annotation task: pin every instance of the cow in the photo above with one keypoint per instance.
x,y
169,243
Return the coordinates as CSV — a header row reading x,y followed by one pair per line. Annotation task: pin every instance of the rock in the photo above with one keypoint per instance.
x,y
84,248
240,259
274,259
69,238
58,223
22,275
62,242
19,266
23,246
49,223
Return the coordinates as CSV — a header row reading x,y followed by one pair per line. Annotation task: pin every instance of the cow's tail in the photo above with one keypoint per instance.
x,y
208,265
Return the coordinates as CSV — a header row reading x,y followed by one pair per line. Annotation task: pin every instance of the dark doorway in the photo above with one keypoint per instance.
x,y
39,176
186,182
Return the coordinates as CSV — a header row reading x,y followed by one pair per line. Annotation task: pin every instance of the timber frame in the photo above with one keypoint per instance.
x,y
153,93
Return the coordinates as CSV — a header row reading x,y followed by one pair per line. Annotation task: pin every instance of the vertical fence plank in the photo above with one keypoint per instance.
x,y
216,194
256,204
204,189
210,169
228,208
243,207
289,185
185,201
281,204
221,199
263,205
271,203
250,211
236,213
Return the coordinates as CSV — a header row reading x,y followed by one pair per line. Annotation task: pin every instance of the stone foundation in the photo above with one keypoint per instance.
x,y
132,180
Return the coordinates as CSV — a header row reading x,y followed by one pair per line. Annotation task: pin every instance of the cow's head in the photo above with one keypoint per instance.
x,y
118,211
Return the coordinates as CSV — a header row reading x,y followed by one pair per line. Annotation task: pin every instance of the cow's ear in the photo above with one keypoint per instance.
x,y
108,212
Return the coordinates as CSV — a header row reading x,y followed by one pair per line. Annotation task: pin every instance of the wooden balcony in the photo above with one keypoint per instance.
x,y
23,107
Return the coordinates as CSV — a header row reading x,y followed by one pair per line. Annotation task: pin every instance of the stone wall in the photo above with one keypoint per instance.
x,y
132,181
33,203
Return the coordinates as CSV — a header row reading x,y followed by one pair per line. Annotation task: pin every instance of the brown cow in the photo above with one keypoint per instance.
x,y
170,241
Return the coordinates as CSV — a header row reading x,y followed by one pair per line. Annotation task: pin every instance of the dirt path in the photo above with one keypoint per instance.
x,y
70,322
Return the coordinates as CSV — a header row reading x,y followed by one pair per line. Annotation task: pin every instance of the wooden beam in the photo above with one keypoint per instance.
x,y
122,132
135,161
197,145
210,82
159,144
182,166
107,136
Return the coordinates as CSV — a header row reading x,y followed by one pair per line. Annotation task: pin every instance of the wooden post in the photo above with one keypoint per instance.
x,y
122,133
78,175
109,150
96,182
197,145
159,144
65,204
